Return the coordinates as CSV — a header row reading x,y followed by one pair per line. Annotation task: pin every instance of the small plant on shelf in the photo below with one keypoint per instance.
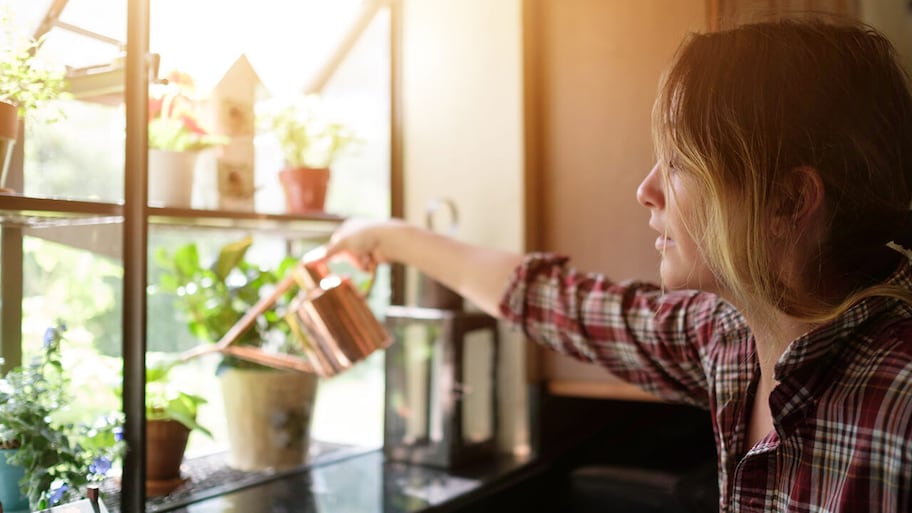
x,y
173,121
311,141
26,81
308,136
167,400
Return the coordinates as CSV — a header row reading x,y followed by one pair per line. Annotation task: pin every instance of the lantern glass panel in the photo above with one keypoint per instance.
x,y
477,388
412,377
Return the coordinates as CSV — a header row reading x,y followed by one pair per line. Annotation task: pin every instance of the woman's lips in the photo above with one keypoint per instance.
x,y
662,243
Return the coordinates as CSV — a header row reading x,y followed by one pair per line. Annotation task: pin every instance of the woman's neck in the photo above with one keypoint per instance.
x,y
772,336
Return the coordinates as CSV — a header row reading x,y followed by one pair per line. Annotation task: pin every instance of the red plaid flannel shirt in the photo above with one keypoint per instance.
x,y
842,410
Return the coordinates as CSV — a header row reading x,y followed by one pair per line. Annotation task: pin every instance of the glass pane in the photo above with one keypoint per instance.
x,y
77,51
74,273
72,285
412,386
105,17
285,41
477,386
80,156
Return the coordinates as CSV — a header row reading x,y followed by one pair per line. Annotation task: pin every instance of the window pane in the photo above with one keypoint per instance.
x,y
75,273
80,156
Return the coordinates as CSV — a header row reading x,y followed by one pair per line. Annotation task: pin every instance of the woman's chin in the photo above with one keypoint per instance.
x,y
674,277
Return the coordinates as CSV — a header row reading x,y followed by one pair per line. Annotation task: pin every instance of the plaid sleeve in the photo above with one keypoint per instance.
x,y
658,341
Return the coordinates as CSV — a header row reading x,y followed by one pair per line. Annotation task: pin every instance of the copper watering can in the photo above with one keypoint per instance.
x,y
329,318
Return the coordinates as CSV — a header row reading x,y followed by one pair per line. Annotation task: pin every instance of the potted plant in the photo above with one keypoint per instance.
x,y
310,142
171,414
175,139
26,84
268,411
43,460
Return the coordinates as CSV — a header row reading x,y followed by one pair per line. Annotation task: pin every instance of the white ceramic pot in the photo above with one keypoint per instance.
x,y
268,416
171,178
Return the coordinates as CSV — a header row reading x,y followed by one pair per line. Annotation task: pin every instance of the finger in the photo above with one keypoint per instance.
x,y
366,262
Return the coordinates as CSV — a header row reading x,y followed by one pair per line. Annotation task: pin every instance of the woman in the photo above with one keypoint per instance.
x,y
781,191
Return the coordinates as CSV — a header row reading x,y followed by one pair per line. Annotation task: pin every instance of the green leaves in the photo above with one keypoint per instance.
x,y
25,81
172,134
52,453
166,401
214,297
231,256
306,134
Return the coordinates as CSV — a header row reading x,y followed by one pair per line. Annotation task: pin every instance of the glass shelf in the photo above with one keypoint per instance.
x,y
27,212
298,226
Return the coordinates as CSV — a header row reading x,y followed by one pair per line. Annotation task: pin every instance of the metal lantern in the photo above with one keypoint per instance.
x,y
441,378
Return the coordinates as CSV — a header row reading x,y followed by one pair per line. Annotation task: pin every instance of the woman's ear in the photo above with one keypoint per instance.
x,y
801,200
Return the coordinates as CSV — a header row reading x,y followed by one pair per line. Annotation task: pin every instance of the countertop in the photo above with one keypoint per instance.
x,y
364,482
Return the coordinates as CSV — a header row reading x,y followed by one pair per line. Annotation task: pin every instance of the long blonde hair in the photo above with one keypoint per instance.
x,y
741,110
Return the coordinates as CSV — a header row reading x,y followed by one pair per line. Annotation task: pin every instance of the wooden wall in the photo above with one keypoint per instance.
x,y
592,71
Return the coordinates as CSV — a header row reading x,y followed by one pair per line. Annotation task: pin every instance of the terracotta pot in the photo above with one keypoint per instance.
x,y
166,441
305,188
9,128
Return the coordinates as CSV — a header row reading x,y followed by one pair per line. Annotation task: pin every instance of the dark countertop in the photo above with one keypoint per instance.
x,y
365,483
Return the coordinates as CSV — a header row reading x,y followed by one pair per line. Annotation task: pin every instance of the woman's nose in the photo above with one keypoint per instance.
x,y
650,193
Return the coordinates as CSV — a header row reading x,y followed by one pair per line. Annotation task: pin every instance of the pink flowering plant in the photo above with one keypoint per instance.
x,y
173,122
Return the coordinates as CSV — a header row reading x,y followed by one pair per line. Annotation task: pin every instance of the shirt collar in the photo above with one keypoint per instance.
x,y
821,341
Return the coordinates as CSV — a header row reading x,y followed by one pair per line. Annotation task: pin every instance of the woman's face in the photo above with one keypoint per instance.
x,y
671,203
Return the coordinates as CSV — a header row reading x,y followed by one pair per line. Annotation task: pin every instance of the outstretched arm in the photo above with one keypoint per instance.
x,y
479,274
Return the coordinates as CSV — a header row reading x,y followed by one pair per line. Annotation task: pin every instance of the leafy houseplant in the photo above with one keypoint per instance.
x,y
308,137
175,139
267,411
25,81
167,401
173,122
56,458
171,414
215,297
311,142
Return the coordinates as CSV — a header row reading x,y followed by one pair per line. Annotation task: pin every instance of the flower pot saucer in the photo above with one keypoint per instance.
x,y
158,487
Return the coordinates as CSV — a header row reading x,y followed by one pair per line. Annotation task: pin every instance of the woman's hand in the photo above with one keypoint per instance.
x,y
367,243
477,273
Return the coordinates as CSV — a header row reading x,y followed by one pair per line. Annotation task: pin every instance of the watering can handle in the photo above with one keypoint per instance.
x,y
314,263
